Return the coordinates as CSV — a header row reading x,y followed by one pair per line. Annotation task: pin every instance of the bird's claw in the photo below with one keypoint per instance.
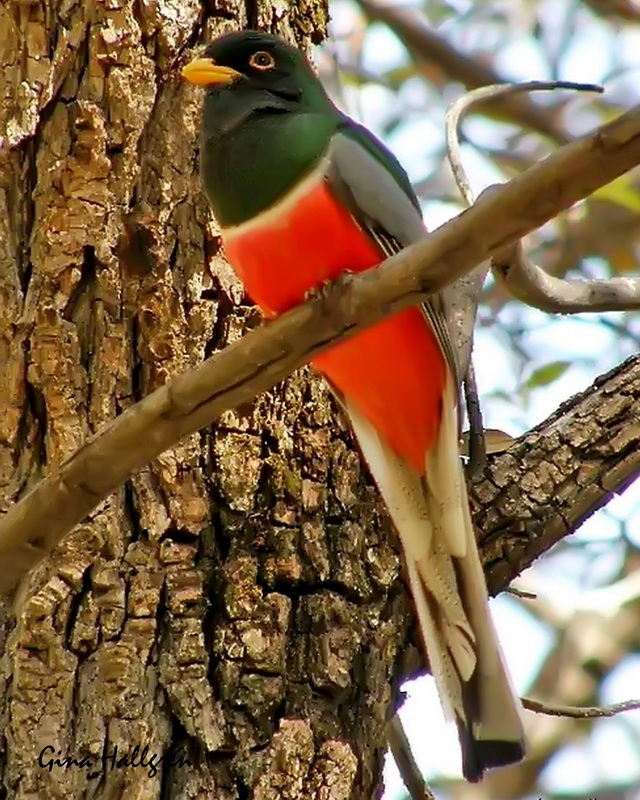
x,y
324,289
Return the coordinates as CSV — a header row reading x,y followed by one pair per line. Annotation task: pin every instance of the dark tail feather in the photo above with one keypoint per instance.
x,y
479,755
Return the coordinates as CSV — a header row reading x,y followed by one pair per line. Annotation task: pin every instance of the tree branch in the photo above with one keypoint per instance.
x,y
407,767
511,267
627,10
576,712
32,527
558,474
530,284
425,45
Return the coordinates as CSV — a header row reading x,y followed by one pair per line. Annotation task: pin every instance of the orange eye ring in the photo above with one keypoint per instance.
x,y
262,60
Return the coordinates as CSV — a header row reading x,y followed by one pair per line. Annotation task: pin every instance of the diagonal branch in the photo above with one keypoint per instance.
x,y
32,527
554,477
407,767
627,10
426,46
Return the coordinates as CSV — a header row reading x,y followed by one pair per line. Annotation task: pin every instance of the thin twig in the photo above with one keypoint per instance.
x,y
467,102
244,369
406,763
477,445
532,285
576,712
522,593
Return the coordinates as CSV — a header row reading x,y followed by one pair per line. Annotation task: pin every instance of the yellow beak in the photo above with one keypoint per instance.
x,y
205,72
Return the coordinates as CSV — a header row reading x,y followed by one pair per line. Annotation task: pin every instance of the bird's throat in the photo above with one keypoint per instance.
x,y
249,169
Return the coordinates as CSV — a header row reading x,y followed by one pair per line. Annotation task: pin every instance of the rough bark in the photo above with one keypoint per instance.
x,y
557,475
185,614
238,603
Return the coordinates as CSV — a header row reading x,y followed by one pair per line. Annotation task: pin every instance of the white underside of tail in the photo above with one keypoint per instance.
x,y
431,515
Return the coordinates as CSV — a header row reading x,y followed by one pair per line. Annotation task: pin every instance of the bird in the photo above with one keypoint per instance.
x,y
303,194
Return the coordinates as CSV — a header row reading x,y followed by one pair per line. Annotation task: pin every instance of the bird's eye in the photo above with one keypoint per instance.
x,y
262,60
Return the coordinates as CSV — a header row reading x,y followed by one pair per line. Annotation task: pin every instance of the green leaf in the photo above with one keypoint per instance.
x,y
623,192
546,374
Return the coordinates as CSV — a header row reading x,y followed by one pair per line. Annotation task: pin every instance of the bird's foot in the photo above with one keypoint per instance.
x,y
324,289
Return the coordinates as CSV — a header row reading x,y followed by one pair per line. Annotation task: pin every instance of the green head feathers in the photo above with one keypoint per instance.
x,y
266,121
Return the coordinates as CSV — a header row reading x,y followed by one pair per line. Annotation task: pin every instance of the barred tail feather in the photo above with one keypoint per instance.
x,y
431,514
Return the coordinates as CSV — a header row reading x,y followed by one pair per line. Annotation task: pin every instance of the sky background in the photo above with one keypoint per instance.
x,y
571,577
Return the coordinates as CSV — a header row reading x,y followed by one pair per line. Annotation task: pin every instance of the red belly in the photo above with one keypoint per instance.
x,y
394,372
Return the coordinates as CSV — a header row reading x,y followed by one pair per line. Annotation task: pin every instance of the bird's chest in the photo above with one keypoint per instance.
x,y
297,245
393,371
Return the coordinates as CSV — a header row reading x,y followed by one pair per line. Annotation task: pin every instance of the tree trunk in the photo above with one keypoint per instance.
x,y
237,604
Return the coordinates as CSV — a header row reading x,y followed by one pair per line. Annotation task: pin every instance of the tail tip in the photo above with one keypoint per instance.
x,y
481,755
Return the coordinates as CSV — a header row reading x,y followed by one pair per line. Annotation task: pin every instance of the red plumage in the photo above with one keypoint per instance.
x,y
394,372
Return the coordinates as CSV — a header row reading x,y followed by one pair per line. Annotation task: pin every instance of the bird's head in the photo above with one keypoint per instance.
x,y
252,72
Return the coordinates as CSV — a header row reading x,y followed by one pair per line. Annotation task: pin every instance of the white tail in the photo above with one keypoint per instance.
x,y
431,514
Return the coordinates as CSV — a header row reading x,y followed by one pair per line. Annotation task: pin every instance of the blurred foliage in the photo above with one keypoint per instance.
x,y
398,68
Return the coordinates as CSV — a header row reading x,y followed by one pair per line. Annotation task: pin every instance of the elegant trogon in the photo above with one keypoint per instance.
x,y
302,194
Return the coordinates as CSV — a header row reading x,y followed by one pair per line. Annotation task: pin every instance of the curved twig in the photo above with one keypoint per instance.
x,y
462,106
576,712
454,118
511,267
532,285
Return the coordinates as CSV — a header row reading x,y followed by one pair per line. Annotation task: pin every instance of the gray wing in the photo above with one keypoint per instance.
x,y
390,218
